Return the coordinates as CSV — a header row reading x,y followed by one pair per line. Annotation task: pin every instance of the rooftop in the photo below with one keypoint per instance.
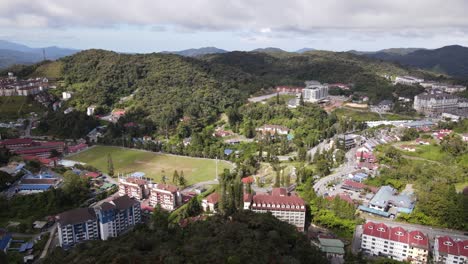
x,y
76,216
387,195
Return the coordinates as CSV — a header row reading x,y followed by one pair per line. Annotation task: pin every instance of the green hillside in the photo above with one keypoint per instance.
x,y
167,87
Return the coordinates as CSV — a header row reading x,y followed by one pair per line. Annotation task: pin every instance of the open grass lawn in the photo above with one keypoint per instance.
x,y
460,186
153,164
364,115
13,107
429,152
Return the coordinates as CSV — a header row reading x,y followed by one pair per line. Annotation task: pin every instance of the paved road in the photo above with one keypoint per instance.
x,y
324,145
51,237
320,186
263,97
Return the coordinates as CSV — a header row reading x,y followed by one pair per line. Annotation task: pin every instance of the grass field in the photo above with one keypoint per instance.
x,y
153,164
364,115
13,107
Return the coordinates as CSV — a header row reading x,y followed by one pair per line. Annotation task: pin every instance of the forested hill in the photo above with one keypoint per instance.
x,y
166,87
451,60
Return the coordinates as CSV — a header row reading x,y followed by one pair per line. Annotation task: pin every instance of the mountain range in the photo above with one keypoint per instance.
x,y
13,53
450,60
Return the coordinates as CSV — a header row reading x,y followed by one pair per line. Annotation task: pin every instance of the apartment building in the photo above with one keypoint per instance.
x,y
315,91
394,242
284,206
448,250
431,104
133,187
76,226
167,196
408,80
117,216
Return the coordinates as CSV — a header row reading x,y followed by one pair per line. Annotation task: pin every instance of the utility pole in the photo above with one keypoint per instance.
x,y
216,167
43,54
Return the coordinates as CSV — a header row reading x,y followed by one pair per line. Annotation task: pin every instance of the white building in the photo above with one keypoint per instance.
x,y
273,129
315,91
167,196
76,226
210,203
430,104
90,110
394,242
288,208
118,216
133,187
66,95
408,80
447,250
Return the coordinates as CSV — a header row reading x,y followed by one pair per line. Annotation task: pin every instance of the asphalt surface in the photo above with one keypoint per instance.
x,y
320,186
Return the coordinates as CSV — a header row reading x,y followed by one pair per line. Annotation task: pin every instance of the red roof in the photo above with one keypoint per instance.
x,y
397,234
51,143
281,203
92,174
38,181
353,184
44,161
167,187
213,198
16,141
136,181
77,147
279,192
451,247
376,230
248,180
32,151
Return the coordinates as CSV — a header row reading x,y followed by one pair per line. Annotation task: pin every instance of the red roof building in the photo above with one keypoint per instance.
x,y
248,180
167,196
290,209
210,203
448,250
77,148
394,242
50,162
133,187
16,143
92,174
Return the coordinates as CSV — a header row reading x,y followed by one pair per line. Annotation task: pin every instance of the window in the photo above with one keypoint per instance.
x,y
381,229
418,237
448,243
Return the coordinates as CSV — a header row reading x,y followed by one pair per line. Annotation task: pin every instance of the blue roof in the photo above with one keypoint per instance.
x,y
26,246
5,241
373,211
138,174
30,187
228,151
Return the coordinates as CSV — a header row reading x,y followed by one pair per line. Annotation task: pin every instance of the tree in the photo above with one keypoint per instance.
x,y
277,179
288,180
302,154
175,177
301,100
182,180
249,129
410,134
110,165
160,218
277,99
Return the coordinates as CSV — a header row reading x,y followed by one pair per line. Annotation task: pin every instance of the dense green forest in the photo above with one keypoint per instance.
x,y
163,88
244,237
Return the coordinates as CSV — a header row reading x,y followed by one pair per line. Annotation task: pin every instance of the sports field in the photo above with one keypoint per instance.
x,y
153,164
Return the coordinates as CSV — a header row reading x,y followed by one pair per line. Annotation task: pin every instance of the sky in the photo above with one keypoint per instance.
x,y
155,25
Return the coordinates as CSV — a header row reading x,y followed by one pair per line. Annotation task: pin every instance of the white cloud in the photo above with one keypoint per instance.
x,y
294,15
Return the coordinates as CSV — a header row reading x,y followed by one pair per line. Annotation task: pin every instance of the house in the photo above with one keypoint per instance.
x,y
464,137
421,141
409,148
92,174
385,105
77,225
66,95
272,130
165,195
117,216
441,133
353,185
210,203
448,250
48,162
282,205
348,141
222,133
387,198
365,156
289,89
333,248
367,166
396,243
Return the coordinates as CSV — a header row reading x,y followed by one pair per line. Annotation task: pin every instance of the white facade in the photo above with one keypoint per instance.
x,y
66,95
434,103
450,251
408,80
76,226
314,91
90,110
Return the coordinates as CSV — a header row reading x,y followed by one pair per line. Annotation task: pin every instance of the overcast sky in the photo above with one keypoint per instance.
x,y
155,25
